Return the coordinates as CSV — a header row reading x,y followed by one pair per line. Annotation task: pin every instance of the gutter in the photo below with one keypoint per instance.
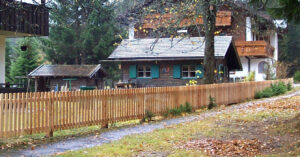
x,y
249,63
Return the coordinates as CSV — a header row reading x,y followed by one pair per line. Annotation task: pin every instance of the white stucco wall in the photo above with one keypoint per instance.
x,y
274,43
255,61
253,67
2,59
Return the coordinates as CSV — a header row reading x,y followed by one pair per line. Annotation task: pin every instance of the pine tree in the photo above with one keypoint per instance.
x,y
83,32
8,51
27,60
289,47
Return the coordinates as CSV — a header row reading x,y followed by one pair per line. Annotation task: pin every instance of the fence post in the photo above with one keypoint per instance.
x,y
105,121
50,107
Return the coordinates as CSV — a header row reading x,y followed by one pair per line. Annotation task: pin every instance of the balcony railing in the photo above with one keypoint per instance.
x,y
254,48
23,18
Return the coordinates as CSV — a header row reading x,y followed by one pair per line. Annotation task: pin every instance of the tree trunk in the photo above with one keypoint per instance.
x,y
209,21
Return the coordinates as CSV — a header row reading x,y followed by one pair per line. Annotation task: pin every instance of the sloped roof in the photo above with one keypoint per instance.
x,y
66,71
166,47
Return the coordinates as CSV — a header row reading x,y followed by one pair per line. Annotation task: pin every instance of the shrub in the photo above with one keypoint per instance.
x,y
267,93
188,108
279,88
297,76
289,86
251,76
258,95
212,103
149,115
175,111
166,114
274,90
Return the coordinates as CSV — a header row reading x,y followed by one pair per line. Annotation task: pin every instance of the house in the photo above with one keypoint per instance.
x,y
254,34
74,77
172,61
20,20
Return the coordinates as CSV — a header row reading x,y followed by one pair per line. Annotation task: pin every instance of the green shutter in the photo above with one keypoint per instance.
x,y
177,71
220,68
132,71
199,71
155,71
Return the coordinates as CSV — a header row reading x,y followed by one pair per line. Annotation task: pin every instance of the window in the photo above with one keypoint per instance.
x,y
262,67
188,71
144,71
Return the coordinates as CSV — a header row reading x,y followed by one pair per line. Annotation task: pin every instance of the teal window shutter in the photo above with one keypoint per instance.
x,y
199,71
155,71
220,70
132,71
177,71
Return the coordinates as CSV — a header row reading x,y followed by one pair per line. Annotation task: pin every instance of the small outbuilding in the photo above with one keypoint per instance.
x,y
67,77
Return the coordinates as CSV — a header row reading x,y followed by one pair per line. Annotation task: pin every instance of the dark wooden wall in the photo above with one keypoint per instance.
x,y
24,18
165,78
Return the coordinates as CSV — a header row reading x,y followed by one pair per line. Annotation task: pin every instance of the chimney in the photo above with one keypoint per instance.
x,y
131,31
249,36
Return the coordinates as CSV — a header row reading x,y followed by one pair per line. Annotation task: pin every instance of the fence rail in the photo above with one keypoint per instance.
x,y
43,112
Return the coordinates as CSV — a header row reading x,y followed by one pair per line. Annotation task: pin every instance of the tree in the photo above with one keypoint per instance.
x,y
288,10
209,10
8,51
82,31
289,46
181,9
26,61
281,9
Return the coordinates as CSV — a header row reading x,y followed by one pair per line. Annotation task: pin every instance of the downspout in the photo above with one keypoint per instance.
x,y
249,63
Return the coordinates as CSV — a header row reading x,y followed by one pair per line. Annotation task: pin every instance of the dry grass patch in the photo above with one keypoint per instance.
x,y
213,147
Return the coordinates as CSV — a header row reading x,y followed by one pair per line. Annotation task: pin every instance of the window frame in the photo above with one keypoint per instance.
x,y
189,72
262,67
144,71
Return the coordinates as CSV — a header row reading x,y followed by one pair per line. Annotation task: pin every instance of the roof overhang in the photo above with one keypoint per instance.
x,y
157,59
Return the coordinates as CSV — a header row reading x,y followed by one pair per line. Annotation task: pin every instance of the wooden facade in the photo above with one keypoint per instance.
x,y
173,62
166,73
254,48
155,21
51,83
23,19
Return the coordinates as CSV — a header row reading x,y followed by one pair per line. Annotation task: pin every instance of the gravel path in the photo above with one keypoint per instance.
x,y
113,135
296,85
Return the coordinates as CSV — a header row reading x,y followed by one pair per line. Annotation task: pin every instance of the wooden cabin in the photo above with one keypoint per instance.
x,y
172,62
67,77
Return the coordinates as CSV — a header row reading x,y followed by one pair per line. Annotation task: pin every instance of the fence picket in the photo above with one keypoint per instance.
x,y
27,113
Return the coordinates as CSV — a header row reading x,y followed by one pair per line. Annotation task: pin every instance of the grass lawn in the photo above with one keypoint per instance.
x,y
36,139
265,129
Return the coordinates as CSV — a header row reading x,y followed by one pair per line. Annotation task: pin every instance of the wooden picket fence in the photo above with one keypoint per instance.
x,y
41,112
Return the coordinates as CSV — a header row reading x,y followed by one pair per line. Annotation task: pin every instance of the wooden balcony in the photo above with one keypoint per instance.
x,y
157,20
254,49
21,19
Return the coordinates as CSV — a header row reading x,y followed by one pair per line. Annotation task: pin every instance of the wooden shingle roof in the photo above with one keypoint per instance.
x,y
168,48
66,71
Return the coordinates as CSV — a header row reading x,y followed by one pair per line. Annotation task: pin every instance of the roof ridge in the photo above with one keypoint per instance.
x,y
36,69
